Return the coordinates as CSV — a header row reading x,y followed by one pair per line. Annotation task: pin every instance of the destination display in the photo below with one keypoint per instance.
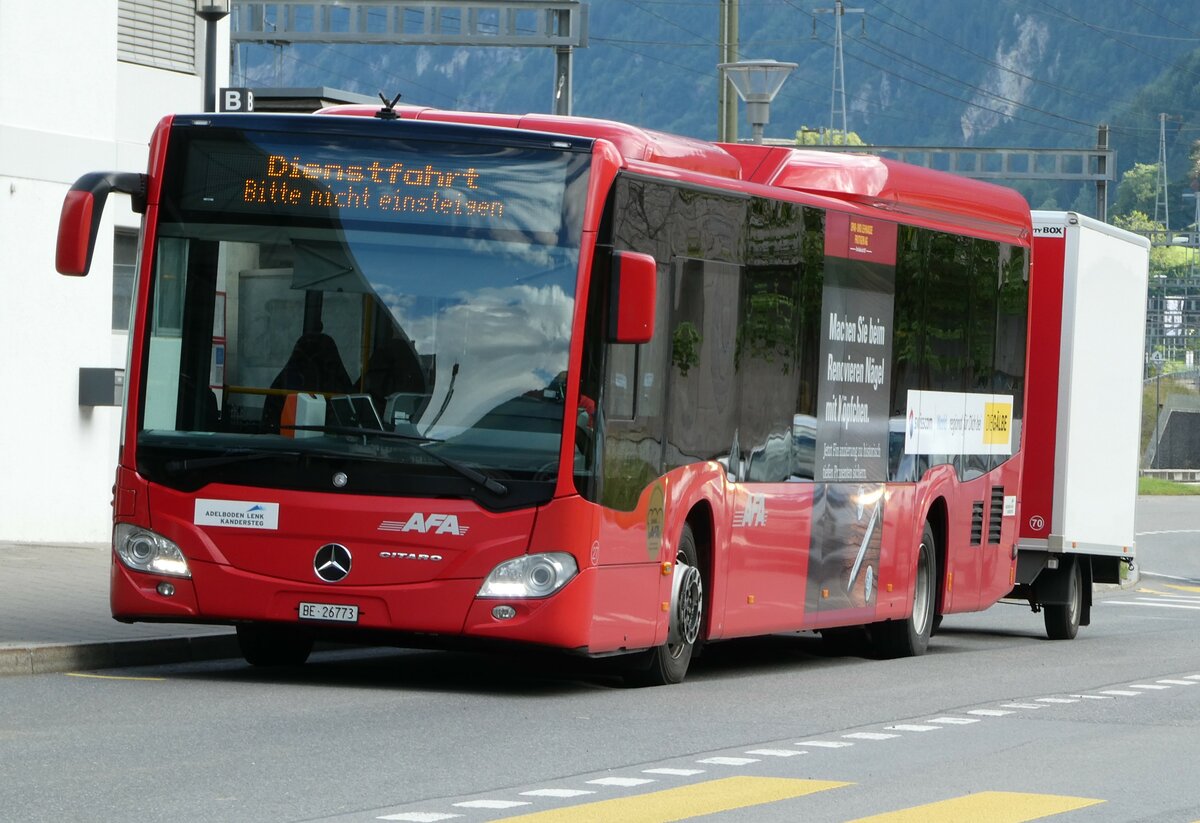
x,y
379,181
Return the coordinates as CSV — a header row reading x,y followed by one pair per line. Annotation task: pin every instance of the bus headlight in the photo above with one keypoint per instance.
x,y
144,551
534,575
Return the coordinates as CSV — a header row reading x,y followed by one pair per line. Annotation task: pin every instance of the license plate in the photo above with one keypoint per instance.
x,y
329,612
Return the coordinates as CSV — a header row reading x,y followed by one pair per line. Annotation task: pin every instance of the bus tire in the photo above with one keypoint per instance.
x,y
267,645
1062,619
910,637
668,663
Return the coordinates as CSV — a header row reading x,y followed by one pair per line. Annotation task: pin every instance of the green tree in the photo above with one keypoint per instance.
x,y
1171,261
824,137
1135,192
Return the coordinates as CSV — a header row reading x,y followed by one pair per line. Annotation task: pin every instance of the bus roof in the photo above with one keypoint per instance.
x,y
911,193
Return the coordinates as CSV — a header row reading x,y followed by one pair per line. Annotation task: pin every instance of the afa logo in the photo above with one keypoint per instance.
x,y
755,513
426,524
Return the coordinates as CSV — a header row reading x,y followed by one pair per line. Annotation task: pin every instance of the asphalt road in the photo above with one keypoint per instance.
x,y
996,723
1168,535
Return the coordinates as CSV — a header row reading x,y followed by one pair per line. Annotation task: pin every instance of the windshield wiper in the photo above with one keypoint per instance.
x,y
417,442
227,459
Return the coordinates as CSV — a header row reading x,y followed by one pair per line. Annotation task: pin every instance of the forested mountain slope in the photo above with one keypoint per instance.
x,y
917,72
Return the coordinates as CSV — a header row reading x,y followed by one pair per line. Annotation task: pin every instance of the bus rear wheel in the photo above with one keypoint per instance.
x,y
668,663
910,637
267,645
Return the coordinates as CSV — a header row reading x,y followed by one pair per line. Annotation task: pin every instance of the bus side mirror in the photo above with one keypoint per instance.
x,y
634,295
81,212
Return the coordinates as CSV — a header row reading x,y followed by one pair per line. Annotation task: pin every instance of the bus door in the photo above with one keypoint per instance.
x,y
853,399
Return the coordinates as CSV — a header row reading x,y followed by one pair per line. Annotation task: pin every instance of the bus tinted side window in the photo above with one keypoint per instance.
x,y
695,237
961,307
981,336
777,342
1012,313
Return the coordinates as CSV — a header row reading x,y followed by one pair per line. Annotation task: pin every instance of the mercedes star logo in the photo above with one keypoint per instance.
x,y
332,562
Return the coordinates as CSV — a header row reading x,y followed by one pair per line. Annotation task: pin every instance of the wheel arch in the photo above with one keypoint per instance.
x,y
700,519
938,518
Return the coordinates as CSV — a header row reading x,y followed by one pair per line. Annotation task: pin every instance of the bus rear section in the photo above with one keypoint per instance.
x,y
559,383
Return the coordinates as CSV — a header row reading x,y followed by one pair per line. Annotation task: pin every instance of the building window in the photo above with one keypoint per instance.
x,y
158,33
124,266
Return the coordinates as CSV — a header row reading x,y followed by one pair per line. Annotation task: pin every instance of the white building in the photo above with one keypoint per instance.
x,y
82,85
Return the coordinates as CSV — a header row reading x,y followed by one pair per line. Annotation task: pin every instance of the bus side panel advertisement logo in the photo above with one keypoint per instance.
x,y
852,412
1049,230
847,538
958,423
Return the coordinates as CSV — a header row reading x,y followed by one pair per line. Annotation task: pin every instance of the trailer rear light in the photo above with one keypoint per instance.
x,y
145,551
534,575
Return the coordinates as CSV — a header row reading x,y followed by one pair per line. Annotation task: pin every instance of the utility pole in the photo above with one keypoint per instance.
x,y
1102,171
727,52
1160,189
839,69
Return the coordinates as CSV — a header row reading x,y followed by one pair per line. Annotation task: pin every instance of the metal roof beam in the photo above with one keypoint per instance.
x,y
561,23
1081,165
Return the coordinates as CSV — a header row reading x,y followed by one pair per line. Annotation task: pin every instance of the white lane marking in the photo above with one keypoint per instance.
x,y
621,781
1092,696
824,744
1168,531
911,727
1148,687
1151,604
1174,598
729,761
990,712
1022,705
954,721
776,752
419,817
1192,676
870,736
1056,700
1178,682
491,804
675,772
1120,692
556,793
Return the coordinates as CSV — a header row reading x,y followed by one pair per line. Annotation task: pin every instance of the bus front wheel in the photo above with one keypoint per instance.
x,y
668,663
267,645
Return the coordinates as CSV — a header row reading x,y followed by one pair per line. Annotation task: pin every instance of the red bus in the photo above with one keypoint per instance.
x,y
429,378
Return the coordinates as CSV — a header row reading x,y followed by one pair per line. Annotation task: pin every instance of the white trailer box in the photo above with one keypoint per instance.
x,y
1084,388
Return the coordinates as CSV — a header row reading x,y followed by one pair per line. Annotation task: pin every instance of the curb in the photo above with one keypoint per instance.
x,y
52,658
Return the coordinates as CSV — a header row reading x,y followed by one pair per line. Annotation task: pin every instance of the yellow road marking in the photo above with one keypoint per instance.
x,y
992,807
1182,588
112,677
685,802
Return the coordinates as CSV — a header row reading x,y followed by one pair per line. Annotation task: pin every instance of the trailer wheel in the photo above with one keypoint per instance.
x,y
668,663
910,637
266,645
1062,619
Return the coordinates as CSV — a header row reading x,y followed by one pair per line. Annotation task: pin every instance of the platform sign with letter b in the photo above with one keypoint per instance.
x,y
237,100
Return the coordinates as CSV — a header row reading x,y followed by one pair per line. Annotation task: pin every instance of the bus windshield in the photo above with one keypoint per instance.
x,y
385,311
